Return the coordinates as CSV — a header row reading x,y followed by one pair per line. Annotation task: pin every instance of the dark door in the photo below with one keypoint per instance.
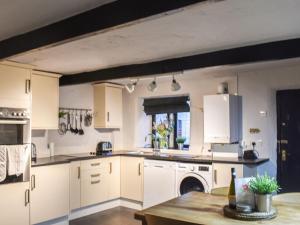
x,y
288,136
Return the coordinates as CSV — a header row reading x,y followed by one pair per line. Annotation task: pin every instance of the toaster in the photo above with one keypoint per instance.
x,y
103,147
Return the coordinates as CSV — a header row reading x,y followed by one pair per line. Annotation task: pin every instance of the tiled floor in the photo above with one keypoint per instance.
x,y
115,216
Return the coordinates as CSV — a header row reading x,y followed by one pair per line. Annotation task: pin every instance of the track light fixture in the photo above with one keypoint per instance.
x,y
152,86
175,86
130,87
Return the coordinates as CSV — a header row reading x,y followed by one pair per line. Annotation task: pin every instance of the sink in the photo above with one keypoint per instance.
x,y
136,152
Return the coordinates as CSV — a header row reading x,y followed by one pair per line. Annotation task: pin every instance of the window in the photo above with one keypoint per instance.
x,y
170,110
181,123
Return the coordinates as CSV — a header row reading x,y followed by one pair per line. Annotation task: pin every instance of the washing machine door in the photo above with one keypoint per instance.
x,y
192,182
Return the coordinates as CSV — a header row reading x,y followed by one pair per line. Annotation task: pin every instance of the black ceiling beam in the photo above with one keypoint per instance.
x,y
93,21
249,54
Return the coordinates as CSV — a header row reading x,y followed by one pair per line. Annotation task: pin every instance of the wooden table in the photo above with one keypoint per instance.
x,y
200,208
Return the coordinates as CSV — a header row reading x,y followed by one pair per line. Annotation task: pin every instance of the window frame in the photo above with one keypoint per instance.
x,y
185,146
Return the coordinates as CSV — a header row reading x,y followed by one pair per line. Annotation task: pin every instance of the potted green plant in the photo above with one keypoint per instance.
x,y
180,141
263,187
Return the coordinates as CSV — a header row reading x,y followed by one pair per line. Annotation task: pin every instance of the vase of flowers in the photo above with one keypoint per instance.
x,y
180,142
163,130
155,141
263,188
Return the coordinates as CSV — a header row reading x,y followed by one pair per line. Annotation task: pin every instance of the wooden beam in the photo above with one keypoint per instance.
x,y
249,54
88,23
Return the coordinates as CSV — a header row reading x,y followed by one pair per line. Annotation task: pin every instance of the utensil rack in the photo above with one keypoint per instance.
x,y
74,109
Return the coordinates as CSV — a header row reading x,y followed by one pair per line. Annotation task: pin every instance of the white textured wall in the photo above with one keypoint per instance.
x,y
76,96
256,85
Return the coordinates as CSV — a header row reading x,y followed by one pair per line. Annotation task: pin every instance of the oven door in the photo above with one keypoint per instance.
x,y
14,132
15,151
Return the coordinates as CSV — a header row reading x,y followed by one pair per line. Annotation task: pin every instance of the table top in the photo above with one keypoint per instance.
x,y
201,208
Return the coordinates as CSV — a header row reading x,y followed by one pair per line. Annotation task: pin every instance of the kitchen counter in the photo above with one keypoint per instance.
x,y
200,208
185,158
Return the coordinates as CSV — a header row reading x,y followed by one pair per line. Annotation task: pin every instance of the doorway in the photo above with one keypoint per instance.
x,y
288,136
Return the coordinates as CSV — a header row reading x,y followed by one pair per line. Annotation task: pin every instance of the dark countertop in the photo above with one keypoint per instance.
x,y
60,159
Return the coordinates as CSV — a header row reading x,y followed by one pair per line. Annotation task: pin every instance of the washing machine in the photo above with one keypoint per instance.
x,y
193,177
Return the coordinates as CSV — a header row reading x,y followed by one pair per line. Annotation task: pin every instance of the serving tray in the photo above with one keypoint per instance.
x,y
254,216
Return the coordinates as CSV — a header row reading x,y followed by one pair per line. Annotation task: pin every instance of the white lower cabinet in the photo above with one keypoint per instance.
x,y
14,204
114,177
94,182
75,175
49,192
222,173
132,178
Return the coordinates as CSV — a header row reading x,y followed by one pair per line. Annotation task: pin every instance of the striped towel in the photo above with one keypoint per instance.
x,y
3,160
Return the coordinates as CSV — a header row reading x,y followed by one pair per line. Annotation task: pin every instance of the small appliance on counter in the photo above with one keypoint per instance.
x,y
251,154
103,147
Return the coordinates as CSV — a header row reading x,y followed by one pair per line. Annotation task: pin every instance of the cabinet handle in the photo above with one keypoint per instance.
x,y
27,86
157,166
107,116
27,197
95,182
78,172
95,175
139,170
95,164
215,176
32,182
110,167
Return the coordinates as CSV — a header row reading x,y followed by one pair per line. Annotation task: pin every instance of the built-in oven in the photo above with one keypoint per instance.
x,y
15,147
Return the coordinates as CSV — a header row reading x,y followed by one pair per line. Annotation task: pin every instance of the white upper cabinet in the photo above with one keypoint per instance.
x,y
45,100
108,106
221,118
14,85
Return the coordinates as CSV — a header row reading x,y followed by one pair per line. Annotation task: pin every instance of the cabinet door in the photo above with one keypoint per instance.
x,y
14,87
45,102
107,106
114,177
222,174
94,187
216,119
132,178
75,185
14,210
50,192
114,107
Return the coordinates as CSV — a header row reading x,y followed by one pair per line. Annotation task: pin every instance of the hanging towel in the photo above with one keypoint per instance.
x,y
3,160
17,156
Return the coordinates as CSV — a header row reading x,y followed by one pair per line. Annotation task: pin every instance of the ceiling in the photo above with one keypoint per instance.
x,y
200,28
20,16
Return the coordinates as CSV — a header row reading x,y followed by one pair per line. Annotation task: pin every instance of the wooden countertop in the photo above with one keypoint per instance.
x,y
201,208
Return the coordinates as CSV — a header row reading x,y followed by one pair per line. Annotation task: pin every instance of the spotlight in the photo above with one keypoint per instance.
x,y
131,86
175,86
152,86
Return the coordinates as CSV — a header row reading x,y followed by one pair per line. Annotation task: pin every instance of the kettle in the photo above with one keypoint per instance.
x,y
33,152
251,154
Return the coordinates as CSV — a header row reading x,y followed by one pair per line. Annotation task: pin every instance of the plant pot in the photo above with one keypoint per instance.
x,y
156,147
263,203
180,146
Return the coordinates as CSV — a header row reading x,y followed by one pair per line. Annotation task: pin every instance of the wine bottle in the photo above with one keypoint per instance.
x,y
231,193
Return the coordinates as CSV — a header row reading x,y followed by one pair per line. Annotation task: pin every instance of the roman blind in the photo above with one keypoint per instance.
x,y
166,105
